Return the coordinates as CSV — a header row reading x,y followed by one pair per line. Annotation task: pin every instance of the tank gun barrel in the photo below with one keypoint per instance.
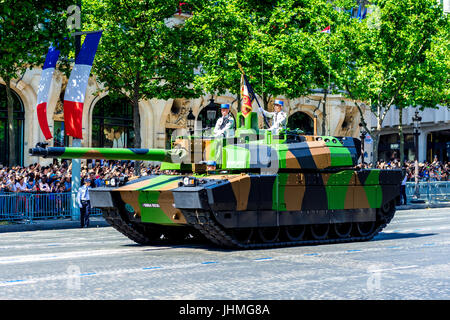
x,y
172,156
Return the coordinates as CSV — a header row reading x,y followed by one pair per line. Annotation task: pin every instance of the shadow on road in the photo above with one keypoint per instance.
x,y
399,235
202,244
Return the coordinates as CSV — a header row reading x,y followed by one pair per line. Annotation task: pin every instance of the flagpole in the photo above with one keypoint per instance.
x,y
326,120
76,163
329,76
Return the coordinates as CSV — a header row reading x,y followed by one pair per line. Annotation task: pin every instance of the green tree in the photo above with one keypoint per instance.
x,y
27,28
220,33
397,56
140,55
279,45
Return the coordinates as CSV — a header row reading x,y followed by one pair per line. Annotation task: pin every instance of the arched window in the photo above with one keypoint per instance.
x,y
112,123
19,116
300,120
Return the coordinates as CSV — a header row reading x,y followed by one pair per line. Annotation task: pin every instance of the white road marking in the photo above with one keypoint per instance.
x,y
71,255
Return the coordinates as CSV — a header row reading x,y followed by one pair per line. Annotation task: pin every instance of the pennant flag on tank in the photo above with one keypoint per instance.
x,y
44,88
76,87
246,107
248,95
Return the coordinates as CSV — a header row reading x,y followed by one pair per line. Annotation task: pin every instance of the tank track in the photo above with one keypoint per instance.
x,y
140,234
205,222
150,234
208,228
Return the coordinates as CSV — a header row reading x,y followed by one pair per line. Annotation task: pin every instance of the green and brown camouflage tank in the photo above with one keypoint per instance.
x,y
265,191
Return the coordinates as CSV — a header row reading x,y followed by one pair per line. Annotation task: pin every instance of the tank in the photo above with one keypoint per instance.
x,y
264,190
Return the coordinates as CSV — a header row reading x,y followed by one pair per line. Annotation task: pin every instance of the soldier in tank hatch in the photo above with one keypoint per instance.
x,y
279,117
225,124
211,166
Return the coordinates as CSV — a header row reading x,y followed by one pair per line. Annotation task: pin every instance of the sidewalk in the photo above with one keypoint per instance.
x,y
52,224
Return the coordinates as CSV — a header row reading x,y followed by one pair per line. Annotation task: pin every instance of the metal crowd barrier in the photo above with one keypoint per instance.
x,y
429,191
27,207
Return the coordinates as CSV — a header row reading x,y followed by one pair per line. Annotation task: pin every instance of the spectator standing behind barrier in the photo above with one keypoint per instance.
x,y
100,182
43,185
403,189
84,203
21,185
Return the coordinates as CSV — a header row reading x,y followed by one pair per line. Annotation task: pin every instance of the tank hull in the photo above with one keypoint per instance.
x,y
254,210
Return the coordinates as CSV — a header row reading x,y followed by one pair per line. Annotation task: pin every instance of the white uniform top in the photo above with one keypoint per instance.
x,y
224,127
278,120
83,194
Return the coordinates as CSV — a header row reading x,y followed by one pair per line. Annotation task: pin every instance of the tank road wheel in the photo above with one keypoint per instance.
x,y
242,235
319,231
295,233
343,230
386,211
365,228
268,235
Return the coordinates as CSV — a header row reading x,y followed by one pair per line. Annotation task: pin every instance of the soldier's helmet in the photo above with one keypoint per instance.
x,y
279,102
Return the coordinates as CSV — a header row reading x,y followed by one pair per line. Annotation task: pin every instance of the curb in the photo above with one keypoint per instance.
x,y
52,224
422,206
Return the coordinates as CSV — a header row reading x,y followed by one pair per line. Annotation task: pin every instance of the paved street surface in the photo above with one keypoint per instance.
x,y
410,259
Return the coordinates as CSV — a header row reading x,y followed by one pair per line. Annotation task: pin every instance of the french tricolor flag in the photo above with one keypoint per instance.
x,y
76,87
326,30
44,88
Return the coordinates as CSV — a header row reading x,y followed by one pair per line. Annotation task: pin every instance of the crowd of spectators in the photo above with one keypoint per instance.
x,y
434,171
56,178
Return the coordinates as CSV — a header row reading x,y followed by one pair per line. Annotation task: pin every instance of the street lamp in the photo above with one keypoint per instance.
x,y
211,112
416,121
362,136
190,122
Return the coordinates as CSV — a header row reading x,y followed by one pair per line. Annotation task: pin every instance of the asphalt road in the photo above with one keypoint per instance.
x,y
409,260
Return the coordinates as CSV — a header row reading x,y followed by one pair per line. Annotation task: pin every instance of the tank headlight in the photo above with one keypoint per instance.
x,y
189,182
117,181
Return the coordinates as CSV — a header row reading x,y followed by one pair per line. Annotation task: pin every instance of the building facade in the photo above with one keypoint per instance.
x,y
434,137
108,123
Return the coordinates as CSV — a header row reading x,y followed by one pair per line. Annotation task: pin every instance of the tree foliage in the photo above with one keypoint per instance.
x,y
27,28
278,43
397,56
140,55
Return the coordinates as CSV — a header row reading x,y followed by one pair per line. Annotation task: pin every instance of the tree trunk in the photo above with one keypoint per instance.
x,y
376,138
137,135
376,134
265,104
11,133
137,125
400,133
